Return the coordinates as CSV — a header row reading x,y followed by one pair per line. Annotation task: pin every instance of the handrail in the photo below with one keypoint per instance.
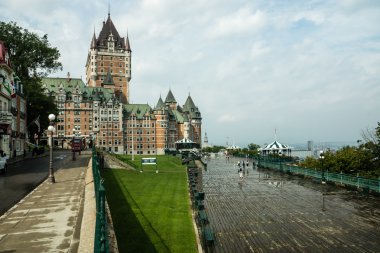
x,y
358,182
101,244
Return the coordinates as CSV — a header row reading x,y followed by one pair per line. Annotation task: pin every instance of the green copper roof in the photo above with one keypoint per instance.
x,y
140,110
57,85
170,98
160,104
191,109
179,117
109,79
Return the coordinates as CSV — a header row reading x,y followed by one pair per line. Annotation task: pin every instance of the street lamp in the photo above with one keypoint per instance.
x,y
51,129
133,151
72,145
322,156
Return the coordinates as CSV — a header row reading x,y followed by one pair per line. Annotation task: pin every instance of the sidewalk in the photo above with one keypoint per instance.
x,y
49,218
28,155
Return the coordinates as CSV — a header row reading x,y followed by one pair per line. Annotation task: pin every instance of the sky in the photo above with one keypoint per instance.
x,y
300,70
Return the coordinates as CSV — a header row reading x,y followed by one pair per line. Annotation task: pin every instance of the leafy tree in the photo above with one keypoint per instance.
x,y
253,146
214,149
32,57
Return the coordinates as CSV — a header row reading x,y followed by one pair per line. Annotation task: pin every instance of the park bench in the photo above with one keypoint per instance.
x,y
208,235
199,196
199,204
202,217
194,190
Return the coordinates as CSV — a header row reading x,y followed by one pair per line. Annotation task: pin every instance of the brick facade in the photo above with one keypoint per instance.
x,y
101,110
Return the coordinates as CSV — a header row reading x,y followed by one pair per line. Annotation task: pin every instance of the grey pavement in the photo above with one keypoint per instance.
x,y
272,212
49,218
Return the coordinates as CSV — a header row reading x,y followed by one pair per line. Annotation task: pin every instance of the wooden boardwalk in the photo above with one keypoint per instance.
x,y
268,212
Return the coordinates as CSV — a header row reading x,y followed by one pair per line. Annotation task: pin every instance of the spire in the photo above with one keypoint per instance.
x,y
170,98
205,138
160,104
127,45
191,108
107,29
275,134
109,10
189,103
93,41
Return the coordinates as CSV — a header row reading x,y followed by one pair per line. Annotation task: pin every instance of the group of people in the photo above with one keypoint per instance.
x,y
242,168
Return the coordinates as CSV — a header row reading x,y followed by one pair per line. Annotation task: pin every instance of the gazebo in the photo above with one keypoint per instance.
x,y
276,148
186,145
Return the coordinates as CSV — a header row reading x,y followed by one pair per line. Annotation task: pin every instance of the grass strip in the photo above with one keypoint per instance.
x,y
151,211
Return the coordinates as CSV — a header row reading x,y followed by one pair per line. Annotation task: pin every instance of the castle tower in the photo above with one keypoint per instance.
x,y
195,120
162,120
170,101
110,57
205,140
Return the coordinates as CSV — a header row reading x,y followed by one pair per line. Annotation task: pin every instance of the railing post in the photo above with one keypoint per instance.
x,y
101,241
357,180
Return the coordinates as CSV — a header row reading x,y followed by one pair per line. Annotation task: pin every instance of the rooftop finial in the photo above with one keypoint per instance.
x,y
109,10
275,134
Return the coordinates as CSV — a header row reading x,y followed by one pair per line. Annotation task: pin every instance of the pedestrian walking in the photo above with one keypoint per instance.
x,y
241,173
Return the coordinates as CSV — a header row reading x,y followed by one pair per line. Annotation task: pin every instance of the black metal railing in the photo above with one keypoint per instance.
x,y
101,228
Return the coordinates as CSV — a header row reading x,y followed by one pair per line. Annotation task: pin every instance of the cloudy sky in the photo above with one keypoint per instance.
x,y
309,69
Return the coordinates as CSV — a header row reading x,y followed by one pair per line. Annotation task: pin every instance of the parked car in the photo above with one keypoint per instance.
x,y
3,162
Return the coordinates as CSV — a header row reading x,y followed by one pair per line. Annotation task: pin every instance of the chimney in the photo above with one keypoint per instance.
x,y
68,77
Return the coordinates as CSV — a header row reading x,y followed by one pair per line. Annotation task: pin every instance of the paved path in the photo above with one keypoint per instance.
x,y
268,212
25,175
46,219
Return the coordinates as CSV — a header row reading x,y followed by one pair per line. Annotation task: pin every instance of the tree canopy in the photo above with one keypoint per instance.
x,y
363,159
32,57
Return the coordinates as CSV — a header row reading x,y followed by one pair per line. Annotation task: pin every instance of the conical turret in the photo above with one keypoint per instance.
x,y
93,41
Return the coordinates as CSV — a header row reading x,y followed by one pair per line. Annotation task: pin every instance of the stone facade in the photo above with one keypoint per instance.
x,y
12,108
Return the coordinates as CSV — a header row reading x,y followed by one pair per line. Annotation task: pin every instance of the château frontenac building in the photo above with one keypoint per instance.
x,y
100,109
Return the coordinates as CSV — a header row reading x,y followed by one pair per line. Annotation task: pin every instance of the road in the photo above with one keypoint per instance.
x,y
271,212
22,177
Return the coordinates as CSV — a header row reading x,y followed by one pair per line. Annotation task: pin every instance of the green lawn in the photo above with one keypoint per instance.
x,y
150,211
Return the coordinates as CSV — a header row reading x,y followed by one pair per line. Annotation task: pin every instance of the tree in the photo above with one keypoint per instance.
x,y
32,57
253,146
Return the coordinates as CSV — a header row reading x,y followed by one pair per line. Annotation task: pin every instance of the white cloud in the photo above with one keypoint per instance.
x,y
243,21
227,118
307,68
259,48
315,17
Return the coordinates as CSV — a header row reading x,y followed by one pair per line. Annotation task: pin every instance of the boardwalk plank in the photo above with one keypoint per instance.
x,y
279,213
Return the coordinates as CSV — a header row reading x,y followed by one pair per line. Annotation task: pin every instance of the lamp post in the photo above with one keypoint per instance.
x,y
322,156
51,129
133,151
72,145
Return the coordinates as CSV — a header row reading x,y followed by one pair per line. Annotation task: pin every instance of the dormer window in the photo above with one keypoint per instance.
x,y
111,43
